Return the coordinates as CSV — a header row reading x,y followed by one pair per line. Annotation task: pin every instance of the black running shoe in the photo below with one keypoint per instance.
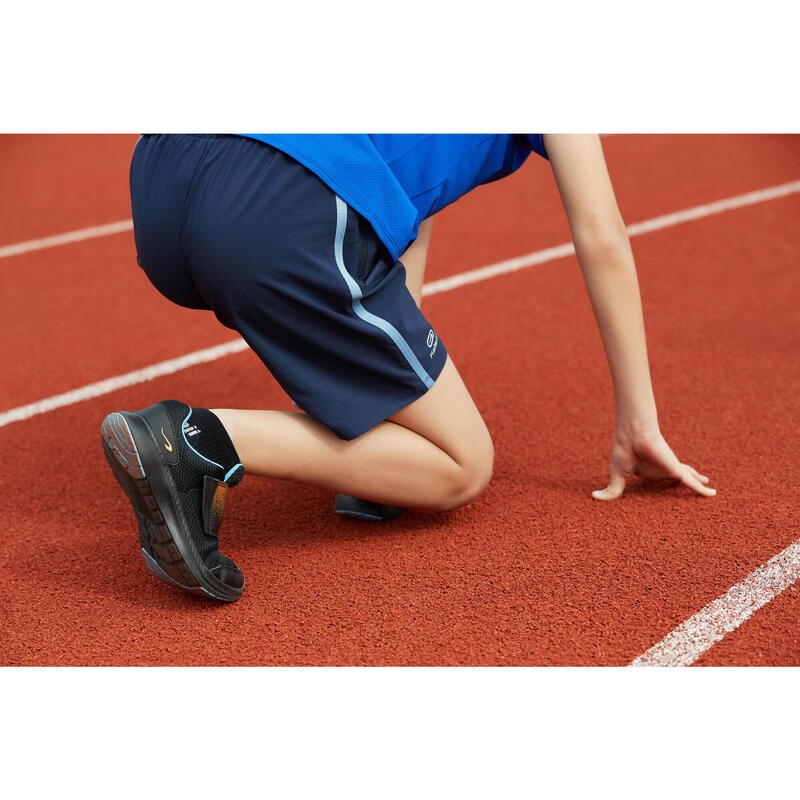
x,y
177,493
364,509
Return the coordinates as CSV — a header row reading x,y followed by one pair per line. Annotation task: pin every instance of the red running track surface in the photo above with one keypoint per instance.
x,y
533,572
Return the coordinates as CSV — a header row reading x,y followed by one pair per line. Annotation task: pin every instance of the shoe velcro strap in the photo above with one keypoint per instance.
x,y
214,493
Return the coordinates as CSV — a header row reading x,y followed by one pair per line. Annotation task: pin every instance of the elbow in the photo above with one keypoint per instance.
x,y
607,242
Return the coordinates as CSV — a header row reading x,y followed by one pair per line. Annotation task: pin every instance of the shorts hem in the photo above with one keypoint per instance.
x,y
353,431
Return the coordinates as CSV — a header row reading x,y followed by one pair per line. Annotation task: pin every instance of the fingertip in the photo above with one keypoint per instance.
x,y
606,495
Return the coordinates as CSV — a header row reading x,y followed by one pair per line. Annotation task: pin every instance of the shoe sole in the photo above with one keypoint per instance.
x,y
131,452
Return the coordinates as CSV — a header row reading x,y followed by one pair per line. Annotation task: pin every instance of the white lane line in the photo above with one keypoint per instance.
x,y
435,287
117,382
501,268
66,238
694,637
656,223
637,229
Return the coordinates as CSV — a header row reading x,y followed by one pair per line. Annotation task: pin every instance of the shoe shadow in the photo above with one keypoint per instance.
x,y
101,570
104,560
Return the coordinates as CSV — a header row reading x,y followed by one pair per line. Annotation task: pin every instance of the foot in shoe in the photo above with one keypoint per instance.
x,y
365,509
176,464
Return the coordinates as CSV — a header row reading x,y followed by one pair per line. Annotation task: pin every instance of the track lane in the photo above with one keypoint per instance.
x,y
770,638
56,183
684,216
100,317
78,295
513,579
652,175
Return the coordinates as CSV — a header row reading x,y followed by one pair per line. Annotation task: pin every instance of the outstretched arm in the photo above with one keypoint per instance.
x,y
606,260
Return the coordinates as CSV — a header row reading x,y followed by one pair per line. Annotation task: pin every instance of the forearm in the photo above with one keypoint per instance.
x,y
604,253
610,274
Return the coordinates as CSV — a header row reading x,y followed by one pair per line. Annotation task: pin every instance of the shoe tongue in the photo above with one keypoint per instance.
x,y
214,493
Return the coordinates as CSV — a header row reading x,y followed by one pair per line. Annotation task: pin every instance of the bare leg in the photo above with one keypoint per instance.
x,y
414,260
435,454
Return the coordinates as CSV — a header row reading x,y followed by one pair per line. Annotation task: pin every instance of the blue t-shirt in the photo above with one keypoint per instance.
x,y
397,180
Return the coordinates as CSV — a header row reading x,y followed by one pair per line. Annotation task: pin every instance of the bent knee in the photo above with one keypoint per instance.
x,y
469,480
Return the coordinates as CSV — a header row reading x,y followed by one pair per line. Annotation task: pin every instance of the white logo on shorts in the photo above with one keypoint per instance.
x,y
433,342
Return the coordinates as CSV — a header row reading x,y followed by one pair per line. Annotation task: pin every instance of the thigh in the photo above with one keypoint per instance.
x,y
447,416
306,281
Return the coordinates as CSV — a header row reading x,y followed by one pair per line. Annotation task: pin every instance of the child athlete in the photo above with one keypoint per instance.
x,y
294,242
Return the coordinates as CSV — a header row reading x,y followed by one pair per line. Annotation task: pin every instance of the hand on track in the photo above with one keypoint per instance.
x,y
650,458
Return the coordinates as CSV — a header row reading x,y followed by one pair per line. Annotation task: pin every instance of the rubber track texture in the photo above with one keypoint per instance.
x,y
534,572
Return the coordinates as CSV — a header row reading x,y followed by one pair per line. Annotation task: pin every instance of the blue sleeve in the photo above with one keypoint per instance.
x,y
536,142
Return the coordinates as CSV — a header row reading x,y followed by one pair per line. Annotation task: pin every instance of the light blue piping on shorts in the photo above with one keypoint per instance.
x,y
358,308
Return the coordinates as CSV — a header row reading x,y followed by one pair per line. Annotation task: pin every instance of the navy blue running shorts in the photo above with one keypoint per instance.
x,y
232,225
